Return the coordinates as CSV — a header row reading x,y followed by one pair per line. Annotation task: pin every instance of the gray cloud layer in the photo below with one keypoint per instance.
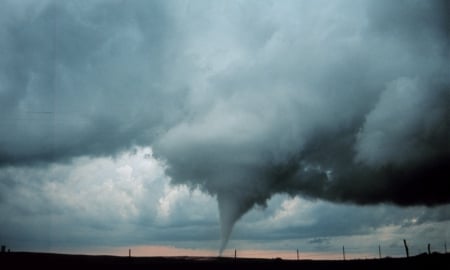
x,y
127,201
343,101
80,77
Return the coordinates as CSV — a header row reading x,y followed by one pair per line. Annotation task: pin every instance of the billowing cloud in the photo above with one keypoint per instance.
x,y
81,78
104,203
331,106
347,102
98,202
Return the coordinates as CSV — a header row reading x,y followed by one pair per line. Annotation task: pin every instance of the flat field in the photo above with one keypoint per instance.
x,y
16,260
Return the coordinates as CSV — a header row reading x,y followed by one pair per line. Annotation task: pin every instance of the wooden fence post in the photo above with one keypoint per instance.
x,y
343,252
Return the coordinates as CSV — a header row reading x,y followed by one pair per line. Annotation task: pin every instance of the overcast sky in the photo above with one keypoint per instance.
x,y
256,125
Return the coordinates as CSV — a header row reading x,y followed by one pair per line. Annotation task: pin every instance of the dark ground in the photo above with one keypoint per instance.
x,y
23,260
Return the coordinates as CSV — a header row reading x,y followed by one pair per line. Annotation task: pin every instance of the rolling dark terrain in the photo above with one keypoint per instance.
x,y
49,260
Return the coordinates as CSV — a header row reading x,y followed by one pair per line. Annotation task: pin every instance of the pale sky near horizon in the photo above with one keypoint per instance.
x,y
195,126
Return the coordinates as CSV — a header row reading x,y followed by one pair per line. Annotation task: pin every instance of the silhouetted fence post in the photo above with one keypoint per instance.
x,y
343,252
298,257
235,254
406,248
429,249
129,253
379,251
445,247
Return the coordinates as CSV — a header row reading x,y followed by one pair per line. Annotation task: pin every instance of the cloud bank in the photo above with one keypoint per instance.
x,y
347,102
100,204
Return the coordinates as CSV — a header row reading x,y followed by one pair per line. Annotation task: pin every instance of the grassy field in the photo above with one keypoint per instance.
x,y
16,260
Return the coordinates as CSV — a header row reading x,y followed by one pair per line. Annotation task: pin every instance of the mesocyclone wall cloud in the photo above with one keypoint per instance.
x,y
343,101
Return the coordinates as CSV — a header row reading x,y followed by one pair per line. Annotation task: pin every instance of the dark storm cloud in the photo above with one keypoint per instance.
x,y
336,106
328,220
80,77
345,101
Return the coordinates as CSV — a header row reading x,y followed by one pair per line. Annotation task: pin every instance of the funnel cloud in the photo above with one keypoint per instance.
x,y
346,101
